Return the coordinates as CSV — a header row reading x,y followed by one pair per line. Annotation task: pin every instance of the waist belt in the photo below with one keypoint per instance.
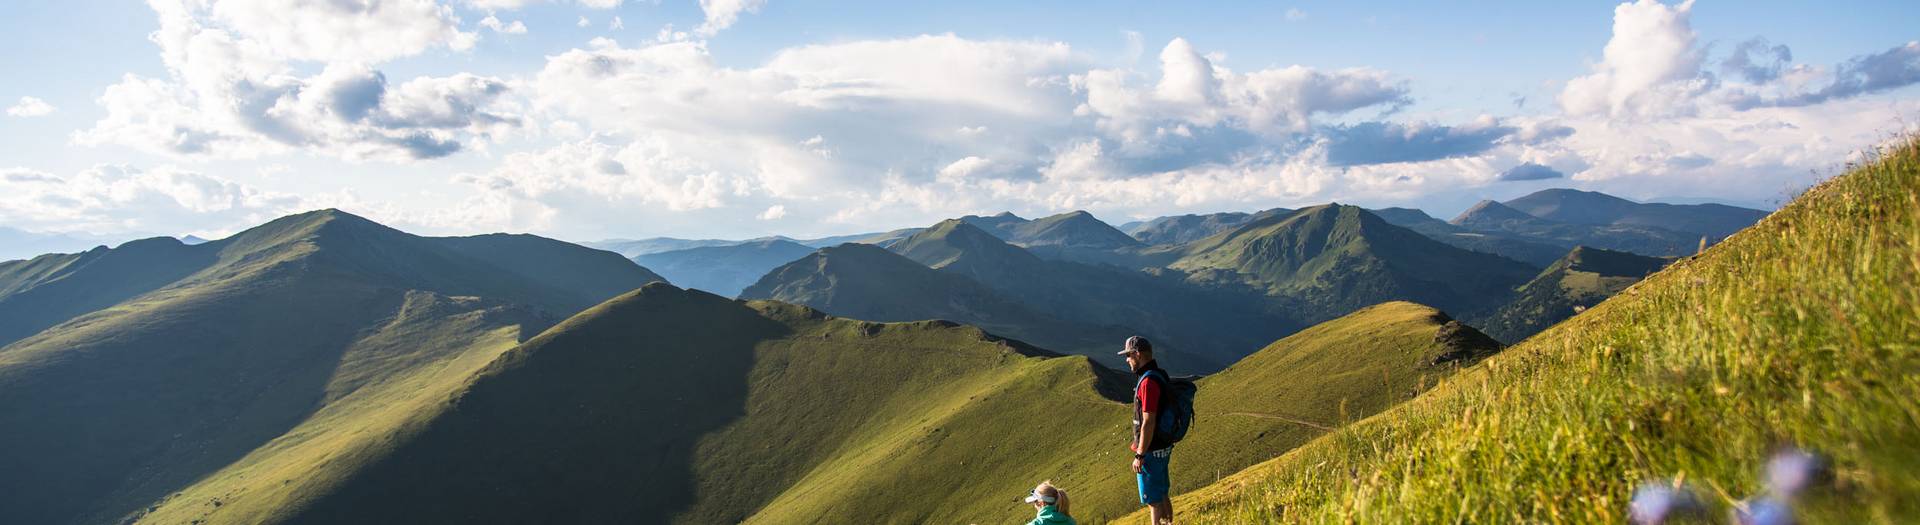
x,y
1162,453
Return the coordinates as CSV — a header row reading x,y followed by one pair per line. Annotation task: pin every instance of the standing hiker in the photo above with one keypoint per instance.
x,y
1150,451
1049,505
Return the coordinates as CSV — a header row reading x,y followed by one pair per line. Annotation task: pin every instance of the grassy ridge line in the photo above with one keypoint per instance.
x,y
1804,329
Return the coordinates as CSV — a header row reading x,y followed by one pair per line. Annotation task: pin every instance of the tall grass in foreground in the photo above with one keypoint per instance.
x,y
1803,330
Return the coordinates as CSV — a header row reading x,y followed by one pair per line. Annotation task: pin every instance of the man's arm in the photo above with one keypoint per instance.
x,y
1148,422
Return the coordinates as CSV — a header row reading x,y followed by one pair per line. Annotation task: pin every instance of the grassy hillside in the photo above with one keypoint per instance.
x,y
677,406
1334,259
1581,279
47,290
1802,330
115,408
724,270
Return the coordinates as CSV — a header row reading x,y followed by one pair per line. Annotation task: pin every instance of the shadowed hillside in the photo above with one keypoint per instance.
x,y
1799,331
50,289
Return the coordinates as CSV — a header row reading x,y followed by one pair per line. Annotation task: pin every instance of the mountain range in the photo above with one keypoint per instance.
x,y
778,414
1050,300
150,366
323,368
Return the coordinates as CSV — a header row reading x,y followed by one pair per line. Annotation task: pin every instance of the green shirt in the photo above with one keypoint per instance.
x,y
1051,516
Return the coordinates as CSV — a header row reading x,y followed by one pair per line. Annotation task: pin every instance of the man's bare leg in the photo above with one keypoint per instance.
x,y
1162,512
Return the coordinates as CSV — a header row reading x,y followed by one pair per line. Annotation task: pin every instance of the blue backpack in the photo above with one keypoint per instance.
x,y
1176,405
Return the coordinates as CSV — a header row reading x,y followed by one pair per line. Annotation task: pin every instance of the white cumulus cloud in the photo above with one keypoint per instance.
x,y
30,107
513,28
230,94
722,14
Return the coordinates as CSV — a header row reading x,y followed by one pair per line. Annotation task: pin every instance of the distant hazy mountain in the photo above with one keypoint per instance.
x,y
877,239
1538,254
1495,218
724,270
1335,259
1715,221
20,244
1581,279
192,240
162,363
631,248
1181,229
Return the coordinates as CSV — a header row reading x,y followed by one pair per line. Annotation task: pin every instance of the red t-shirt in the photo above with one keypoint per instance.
x,y
1149,395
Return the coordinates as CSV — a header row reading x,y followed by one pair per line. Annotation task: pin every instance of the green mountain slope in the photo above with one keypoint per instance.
x,y
1334,259
1801,330
677,406
724,270
47,290
870,283
112,409
1213,323
1581,279
1715,221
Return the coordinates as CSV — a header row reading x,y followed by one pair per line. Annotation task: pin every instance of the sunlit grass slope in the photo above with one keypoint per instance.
x,y
1802,330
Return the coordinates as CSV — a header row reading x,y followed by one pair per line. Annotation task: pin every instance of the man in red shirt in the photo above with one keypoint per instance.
x,y
1150,452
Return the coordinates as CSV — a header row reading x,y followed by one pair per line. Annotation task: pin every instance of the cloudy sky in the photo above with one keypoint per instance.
x,y
593,119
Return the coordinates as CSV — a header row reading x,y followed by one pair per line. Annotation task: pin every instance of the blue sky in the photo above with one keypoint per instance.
x,y
815,118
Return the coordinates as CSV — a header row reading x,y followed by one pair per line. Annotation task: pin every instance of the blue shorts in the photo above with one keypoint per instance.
x,y
1152,477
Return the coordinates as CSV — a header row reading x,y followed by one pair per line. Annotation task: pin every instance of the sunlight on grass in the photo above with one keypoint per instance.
x,y
1799,331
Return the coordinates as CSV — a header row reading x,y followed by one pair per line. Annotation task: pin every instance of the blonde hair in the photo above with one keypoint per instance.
x,y
1058,494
